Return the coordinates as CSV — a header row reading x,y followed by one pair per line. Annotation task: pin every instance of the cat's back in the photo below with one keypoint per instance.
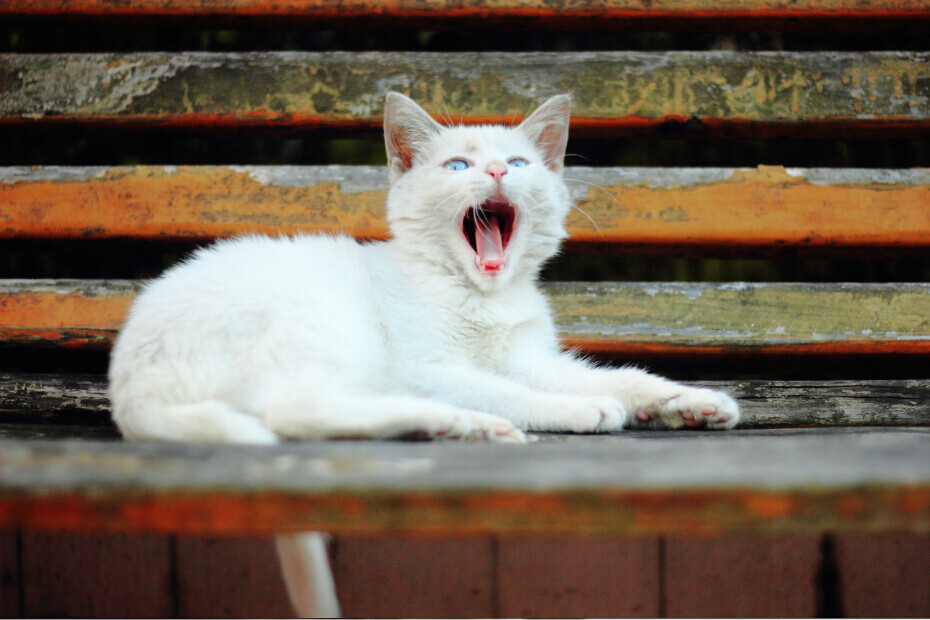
x,y
256,271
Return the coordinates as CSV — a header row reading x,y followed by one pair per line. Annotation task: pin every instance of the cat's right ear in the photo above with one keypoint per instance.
x,y
547,127
407,128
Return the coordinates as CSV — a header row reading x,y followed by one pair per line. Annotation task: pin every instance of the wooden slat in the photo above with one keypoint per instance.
x,y
412,577
706,93
10,575
229,578
579,577
739,210
895,562
96,576
777,576
609,318
636,482
82,399
662,14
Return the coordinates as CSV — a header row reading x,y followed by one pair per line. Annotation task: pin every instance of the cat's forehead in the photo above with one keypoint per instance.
x,y
475,140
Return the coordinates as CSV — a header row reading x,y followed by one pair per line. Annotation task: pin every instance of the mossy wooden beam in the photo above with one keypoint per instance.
x,y
616,93
608,318
713,15
674,209
78,405
808,480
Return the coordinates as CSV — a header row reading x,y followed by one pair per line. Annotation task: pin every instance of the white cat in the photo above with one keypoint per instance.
x,y
440,331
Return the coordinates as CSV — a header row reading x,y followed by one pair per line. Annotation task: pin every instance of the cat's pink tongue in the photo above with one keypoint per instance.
x,y
489,247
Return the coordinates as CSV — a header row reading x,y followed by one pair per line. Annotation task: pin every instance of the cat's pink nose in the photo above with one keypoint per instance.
x,y
497,170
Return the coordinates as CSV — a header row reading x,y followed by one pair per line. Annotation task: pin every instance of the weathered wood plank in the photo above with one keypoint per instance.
x,y
740,209
612,318
712,15
37,400
762,94
637,482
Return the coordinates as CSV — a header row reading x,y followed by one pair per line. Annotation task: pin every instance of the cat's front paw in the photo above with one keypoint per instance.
x,y
476,426
696,407
583,414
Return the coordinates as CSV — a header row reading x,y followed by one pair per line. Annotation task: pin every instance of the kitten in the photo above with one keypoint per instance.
x,y
440,331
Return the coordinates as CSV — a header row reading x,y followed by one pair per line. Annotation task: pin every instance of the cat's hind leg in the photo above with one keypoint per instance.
x,y
326,414
211,420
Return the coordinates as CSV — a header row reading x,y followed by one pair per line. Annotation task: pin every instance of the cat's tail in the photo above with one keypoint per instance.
x,y
309,581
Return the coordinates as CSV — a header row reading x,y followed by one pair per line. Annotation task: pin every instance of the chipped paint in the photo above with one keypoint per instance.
x,y
740,208
605,317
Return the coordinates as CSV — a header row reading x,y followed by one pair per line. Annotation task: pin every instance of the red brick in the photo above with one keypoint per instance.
x,y
9,575
415,577
573,576
230,578
885,575
742,576
96,575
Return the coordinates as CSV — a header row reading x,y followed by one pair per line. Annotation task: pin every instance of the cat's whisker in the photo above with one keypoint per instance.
x,y
446,116
589,218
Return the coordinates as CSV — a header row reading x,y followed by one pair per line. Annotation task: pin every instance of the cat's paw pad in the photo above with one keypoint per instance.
x,y
698,407
481,427
589,414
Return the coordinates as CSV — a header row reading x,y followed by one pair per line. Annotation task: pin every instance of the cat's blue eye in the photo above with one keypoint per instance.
x,y
456,164
518,162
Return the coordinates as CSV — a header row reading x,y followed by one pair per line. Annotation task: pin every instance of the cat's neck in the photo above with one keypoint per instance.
x,y
424,272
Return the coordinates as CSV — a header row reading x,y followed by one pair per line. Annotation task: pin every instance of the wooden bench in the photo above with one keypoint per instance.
x,y
829,470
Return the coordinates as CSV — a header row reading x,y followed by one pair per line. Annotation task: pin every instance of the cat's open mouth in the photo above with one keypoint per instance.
x,y
488,228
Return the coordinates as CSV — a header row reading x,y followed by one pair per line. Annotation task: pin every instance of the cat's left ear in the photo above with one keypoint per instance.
x,y
547,127
407,129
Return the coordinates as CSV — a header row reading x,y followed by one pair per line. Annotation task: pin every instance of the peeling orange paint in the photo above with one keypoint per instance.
x,y
764,207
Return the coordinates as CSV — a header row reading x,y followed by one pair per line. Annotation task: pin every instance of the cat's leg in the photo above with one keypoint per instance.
x,y
210,420
528,408
534,361
332,413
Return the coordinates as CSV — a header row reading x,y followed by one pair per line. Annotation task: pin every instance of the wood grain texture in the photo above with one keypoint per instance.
x,y
579,577
695,94
884,574
635,482
712,15
740,576
408,577
229,578
68,575
741,210
9,575
622,319
80,401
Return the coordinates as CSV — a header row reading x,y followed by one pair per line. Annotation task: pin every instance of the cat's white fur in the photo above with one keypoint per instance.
x,y
256,339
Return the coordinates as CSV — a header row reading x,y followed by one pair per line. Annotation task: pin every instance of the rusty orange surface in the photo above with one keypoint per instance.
x,y
764,207
77,320
186,203
578,511
550,13
884,126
